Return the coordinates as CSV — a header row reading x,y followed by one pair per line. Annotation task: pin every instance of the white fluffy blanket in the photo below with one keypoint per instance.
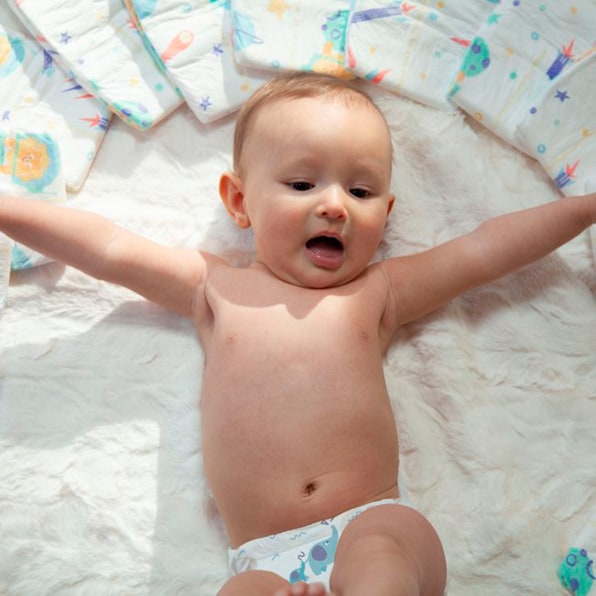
x,y
101,484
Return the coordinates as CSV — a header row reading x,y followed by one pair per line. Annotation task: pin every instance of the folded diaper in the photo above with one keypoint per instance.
x,y
530,76
193,40
559,129
577,572
99,43
412,48
299,35
30,166
37,97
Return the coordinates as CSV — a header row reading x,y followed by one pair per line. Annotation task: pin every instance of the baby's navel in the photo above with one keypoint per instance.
x,y
309,489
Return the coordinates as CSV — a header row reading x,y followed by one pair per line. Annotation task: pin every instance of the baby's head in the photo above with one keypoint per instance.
x,y
312,172
295,85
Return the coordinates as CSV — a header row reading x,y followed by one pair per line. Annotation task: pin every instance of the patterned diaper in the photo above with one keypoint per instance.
x,y
30,166
530,76
99,43
194,42
38,98
305,554
577,572
559,130
299,35
412,48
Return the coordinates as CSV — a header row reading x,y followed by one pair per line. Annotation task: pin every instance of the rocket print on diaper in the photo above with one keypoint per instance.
x,y
542,58
318,559
193,42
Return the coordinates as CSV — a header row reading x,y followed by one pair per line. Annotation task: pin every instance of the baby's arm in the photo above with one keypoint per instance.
x,y
168,276
420,283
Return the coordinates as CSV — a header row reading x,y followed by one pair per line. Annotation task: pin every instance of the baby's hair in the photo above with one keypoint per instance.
x,y
295,85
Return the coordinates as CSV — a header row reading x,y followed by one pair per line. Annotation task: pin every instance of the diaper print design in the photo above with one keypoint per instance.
x,y
331,59
301,35
12,53
320,556
29,160
576,572
476,61
563,57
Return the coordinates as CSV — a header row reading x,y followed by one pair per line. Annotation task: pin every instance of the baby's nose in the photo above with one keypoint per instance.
x,y
332,205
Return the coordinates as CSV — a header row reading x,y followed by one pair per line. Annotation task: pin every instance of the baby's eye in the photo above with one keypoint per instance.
x,y
360,193
301,186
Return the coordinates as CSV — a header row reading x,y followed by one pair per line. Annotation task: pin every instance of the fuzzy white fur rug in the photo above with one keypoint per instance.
x,y
101,484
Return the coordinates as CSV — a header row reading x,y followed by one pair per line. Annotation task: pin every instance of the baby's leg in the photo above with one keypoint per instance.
x,y
261,583
389,550
253,583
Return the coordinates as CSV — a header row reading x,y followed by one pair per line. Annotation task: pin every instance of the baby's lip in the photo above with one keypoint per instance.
x,y
326,250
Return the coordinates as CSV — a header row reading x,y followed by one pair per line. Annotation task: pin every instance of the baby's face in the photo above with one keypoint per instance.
x,y
316,177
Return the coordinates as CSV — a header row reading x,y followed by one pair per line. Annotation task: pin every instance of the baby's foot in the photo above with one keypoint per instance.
x,y
302,589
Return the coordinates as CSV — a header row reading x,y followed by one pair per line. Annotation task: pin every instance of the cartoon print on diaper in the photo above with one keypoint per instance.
x,y
30,160
577,572
144,8
12,53
562,59
566,175
400,13
320,556
180,42
133,111
331,59
476,61
244,32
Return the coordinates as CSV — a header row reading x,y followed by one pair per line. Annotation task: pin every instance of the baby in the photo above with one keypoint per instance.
x,y
299,440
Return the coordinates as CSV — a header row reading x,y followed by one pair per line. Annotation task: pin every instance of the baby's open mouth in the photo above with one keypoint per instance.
x,y
325,251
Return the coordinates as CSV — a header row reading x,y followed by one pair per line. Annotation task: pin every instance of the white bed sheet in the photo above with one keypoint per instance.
x,y
101,484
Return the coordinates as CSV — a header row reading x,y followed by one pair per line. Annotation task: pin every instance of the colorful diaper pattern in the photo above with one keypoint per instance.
x,y
413,48
30,166
529,75
304,554
194,42
37,97
99,43
577,572
30,162
559,130
319,557
293,35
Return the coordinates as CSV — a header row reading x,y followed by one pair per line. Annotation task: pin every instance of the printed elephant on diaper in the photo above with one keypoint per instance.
x,y
319,557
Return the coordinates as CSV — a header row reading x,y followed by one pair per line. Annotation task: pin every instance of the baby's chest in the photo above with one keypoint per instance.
x,y
253,313
332,323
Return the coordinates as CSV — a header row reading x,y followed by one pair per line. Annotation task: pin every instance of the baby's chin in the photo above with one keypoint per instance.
x,y
319,279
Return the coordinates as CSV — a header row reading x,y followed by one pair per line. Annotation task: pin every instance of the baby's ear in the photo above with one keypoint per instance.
x,y
390,204
230,191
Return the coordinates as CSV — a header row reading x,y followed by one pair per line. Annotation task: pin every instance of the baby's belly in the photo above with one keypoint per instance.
x,y
278,462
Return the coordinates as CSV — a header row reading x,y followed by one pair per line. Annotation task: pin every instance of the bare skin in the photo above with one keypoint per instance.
x,y
297,424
